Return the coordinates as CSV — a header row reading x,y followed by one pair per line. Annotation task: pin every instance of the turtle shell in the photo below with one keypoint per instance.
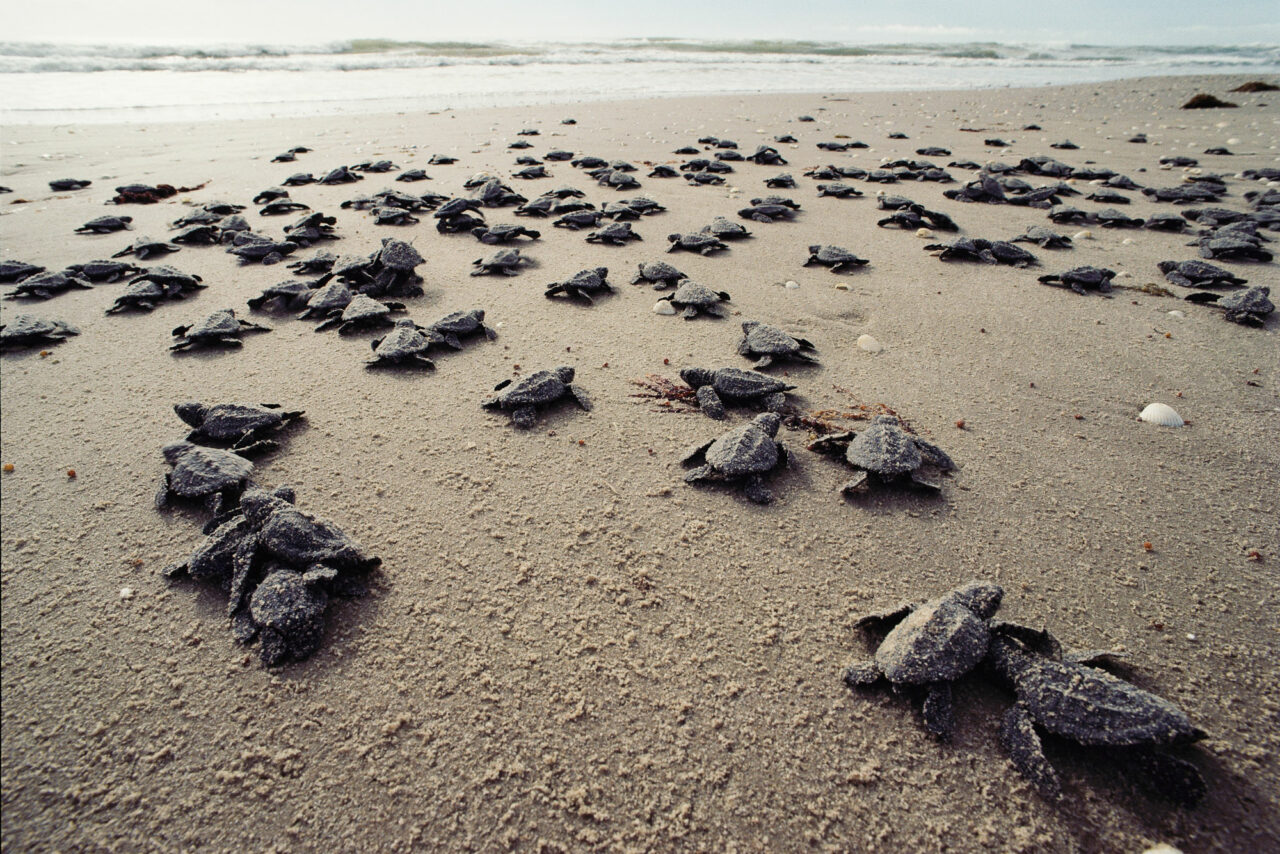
x,y
219,324
737,384
884,448
199,471
692,293
940,641
744,450
539,387
764,339
287,605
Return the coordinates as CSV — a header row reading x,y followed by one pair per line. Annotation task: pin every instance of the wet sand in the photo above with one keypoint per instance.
x,y
568,648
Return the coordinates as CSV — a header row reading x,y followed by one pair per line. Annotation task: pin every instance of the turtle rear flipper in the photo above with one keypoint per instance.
x,y
927,477
763,362
181,344
164,495
939,710
715,310
755,490
697,453
1019,738
709,402
242,568
1037,640
689,313
884,623
243,628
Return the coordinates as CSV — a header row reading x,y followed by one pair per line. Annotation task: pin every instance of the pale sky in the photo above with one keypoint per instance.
x,y
1128,22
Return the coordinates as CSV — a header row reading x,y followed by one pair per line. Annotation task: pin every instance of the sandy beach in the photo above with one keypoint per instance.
x,y
566,647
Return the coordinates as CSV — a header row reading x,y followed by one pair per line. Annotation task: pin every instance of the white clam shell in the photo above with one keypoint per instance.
x,y
923,232
1177,313
1161,414
663,307
791,285
1083,235
869,344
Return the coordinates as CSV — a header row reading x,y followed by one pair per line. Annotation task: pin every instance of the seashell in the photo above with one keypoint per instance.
x,y
842,286
1177,313
663,307
1083,235
1235,140
790,285
1162,414
1128,241
867,343
1124,274
126,592
924,232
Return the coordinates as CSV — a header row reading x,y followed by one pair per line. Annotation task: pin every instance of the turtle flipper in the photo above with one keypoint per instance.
x,y
927,477
939,710
755,490
1037,640
710,404
1171,777
700,473
859,483
1019,738
862,674
883,623
696,453
489,332
580,395
763,362
715,311
524,416
776,402
689,313
242,566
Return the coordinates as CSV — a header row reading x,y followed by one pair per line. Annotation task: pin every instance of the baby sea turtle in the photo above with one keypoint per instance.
x,y
725,229
287,609
930,646
333,297
495,234
1166,222
1233,248
198,235
767,212
211,475
406,344
172,280
984,251
458,323
145,247
1112,218
242,427
767,343
889,452
743,455
538,389
838,190
615,234
143,296
27,330
321,262
703,243
16,271
1044,238
221,329
62,184
1081,279
1198,274
263,250
715,388
413,175
341,175
578,219
363,312
290,295
47,286
280,207
393,216
582,284
834,257
659,274
298,179
695,299
780,182
1086,705
1248,307
504,261
106,225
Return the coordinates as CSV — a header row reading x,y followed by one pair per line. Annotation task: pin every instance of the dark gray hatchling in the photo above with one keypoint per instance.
x,y
1081,279
838,190
280,207
659,274
406,344
742,456
393,216
333,297
288,610
106,225
198,235
1044,238
835,257
102,271
220,329
724,229
1166,222
495,234
889,453
582,284
413,175
174,281
579,219
27,330
1070,697
614,234
263,250
142,296
452,326
715,388
1198,274
363,312
145,247
766,344
1249,307
46,286
929,646
243,427
16,271
693,299
212,476
290,296
504,261
270,194
697,242
321,262
541,388
767,212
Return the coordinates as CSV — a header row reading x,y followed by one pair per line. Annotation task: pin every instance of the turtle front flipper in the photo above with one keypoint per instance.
x,y
1170,777
181,344
524,416
489,332
696,453
776,402
862,674
939,710
858,484
710,404
247,448
883,623
1037,640
553,290
274,648
453,342
1019,738
164,495
689,313
763,362
715,311
580,396
242,567
700,473
755,490
927,477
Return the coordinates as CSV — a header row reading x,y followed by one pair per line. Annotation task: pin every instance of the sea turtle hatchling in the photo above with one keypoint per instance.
x,y
766,344
102,271
1068,697
495,234
242,427
694,299
659,274
290,295
287,609
929,646
696,242
16,271
582,284
889,452
725,229
106,225
27,330
504,261
145,247
614,234
459,323
47,286
838,191
983,251
406,344
540,388
1198,274
142,295
1081,279
834,257
334,296
743,456
363,312
1249,307
715,388
767,212
211,475
220,329
1043,237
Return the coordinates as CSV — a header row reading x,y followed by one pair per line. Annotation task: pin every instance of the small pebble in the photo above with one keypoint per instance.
x,y
869,344
842,286
126,592
663,307
1176,313
791,286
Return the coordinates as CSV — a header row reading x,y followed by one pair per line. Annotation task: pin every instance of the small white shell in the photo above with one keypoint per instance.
x,y
869,344
126,592
842,286
1128,241
1235,140
1177,313
924,232
1083,235
663,307
1162,414
791,285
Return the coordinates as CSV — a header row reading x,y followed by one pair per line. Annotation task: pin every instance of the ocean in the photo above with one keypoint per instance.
x,y
57,84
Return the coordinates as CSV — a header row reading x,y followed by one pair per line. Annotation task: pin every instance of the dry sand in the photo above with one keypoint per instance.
x,y
568,648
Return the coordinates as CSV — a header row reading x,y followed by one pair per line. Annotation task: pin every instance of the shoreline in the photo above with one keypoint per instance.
x,y
568,647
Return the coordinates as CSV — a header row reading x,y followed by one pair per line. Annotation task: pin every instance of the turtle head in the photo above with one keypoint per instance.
x,y
565,373
813,250
602,272
769,422
980,597
697,377
258,504
175,451
673,237
748,325
479,230
1166,266
191,412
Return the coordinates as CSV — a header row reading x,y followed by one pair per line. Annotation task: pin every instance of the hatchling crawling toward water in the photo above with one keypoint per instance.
x,y
209,475
27,330
702,243
459,323
889,453
1081,279
16,271
495,234
406,344
1198,274
106,225
766,343
582,284
724,229
541,388
614,234
1044,238
834,257
242,427
659,274
1249,307
983,251
715,388
363,312
290,295
144,247
742,456
928,647
504,261
694,299
220,329
47,286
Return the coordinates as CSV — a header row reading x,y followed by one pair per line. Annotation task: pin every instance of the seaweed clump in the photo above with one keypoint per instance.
x,y
1204,102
